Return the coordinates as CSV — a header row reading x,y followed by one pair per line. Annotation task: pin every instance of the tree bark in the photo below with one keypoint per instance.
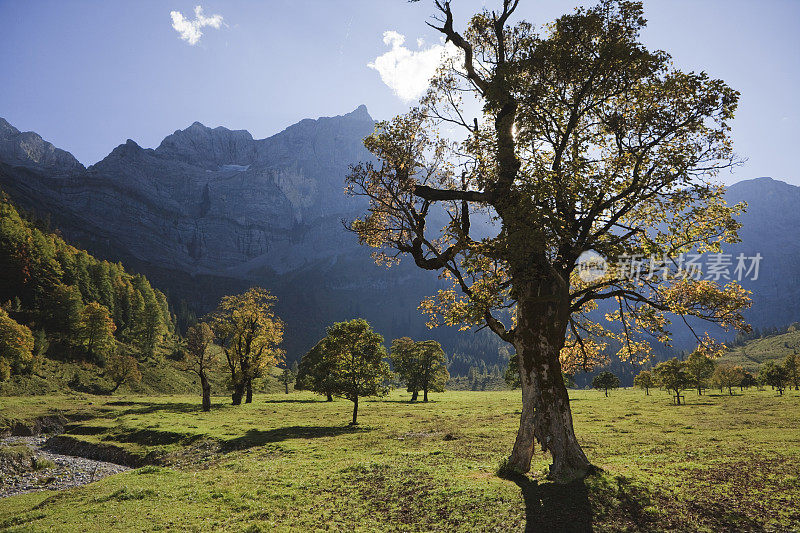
x,y
414,395
238,392
425,394
249,398
355,412
546,415
206,386
328,397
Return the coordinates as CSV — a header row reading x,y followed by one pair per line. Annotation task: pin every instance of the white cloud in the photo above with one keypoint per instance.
x,y
408,72
189,30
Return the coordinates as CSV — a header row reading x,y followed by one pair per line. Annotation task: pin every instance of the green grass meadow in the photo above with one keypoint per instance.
x,y
291,463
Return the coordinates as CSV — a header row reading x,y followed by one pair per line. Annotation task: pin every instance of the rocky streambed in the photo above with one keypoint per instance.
x,y
27,464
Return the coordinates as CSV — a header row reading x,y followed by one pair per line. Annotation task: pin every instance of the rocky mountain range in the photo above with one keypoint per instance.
x,y
211,211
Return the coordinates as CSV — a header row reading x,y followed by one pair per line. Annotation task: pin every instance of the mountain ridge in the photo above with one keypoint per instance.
x,y
213,210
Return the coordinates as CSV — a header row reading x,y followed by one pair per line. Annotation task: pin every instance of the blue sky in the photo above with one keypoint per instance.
x,y
87,75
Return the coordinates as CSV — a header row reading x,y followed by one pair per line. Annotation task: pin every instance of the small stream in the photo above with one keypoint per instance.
x,y
68,471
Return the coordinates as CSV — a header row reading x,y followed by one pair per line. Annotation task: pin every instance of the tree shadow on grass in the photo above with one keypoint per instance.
x,y
256,437
144,408
289,400
575,507
550,507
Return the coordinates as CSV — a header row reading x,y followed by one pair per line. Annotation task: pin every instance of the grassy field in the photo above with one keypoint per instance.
x,y
289,462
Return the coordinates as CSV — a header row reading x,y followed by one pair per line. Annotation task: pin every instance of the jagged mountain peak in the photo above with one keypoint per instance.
x,y
208,148
6,128
360,113
28,149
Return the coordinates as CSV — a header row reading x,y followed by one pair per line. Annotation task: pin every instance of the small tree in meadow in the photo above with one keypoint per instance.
x,y
775,375
249,332
605,381
122,368
700,367
792,366
421,365
727,376
358,369
748,380
200,358
403,356
315,371
288,375
644,380
672,376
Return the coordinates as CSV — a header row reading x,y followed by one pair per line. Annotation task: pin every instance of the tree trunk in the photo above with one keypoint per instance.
x,y
328,397
414,395
425,395
699,391
606,391
249,398
238,392
355,412
206,386
286,385
546,415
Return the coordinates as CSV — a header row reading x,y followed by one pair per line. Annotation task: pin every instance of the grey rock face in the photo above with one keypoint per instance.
x,y
206,200
28,149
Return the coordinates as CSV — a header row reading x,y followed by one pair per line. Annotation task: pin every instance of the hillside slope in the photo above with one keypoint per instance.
x,y
754,353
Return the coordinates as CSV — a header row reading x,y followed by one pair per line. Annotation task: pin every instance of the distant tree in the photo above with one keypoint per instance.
x,y
792,365
672,376
727,376
644,380
605,381
358,367
403,355
775,375
122,368
249,332
40,346
288,375
315,371
433,365
95,333
748,380
421,365
200,357
150,323
699,367
62,315
511,375
16,347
